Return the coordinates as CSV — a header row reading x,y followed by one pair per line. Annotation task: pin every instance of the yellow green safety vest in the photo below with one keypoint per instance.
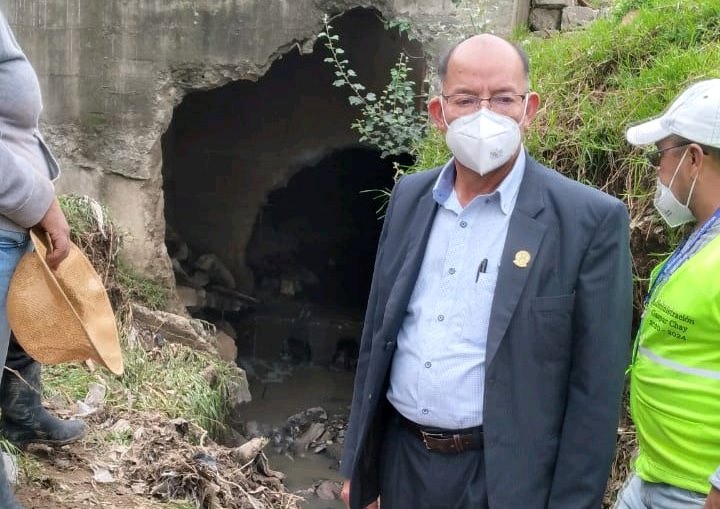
x,y
675,376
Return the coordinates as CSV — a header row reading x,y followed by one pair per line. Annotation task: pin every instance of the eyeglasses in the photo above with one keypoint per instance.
x,y
654,156
467,103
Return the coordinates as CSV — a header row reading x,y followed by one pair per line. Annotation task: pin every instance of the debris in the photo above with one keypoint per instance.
x,y
249,450
102,474
95,397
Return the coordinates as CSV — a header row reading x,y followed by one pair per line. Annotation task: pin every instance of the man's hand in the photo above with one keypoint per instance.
x,y
55,224
345,495
713,499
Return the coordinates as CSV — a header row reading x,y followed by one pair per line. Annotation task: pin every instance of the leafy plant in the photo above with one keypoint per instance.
x,y
392,121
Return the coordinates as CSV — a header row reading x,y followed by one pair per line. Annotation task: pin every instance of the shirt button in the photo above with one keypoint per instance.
x,y
452,271
441,318
425,411
463,224
428,364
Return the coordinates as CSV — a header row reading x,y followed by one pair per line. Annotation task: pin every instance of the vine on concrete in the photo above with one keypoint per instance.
x,y
392,122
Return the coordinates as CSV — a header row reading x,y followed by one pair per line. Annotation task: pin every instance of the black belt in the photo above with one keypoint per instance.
x,y
445,441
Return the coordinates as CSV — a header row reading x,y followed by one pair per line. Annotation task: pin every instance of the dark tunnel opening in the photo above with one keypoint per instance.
x,y
269,229
316,238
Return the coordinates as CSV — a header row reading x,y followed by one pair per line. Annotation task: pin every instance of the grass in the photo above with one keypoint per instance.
x,y
141,289
168,380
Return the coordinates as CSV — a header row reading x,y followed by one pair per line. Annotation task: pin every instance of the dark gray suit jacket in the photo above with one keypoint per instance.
x,y
557,346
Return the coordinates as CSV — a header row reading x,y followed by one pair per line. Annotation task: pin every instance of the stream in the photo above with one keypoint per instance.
x,y
281,390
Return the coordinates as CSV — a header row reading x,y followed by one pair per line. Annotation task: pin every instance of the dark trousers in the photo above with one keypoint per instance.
x,y
413,477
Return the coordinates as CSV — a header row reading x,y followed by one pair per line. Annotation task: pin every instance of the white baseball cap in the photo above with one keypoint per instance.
x,y
694,115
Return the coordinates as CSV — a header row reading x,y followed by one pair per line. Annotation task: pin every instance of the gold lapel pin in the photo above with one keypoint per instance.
x,y
522,259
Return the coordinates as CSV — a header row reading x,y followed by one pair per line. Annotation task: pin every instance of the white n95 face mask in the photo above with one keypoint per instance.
x,y
670,209
484,140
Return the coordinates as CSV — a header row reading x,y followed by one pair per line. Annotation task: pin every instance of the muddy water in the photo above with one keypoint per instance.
x,y
280,390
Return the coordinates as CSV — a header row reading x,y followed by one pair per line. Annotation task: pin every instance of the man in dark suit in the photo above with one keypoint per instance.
x,y
497,330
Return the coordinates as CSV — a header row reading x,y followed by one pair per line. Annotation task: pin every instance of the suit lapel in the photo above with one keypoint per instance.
x,y
524,234
418,233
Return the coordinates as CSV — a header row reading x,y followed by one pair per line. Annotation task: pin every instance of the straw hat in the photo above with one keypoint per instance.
x,y
64,314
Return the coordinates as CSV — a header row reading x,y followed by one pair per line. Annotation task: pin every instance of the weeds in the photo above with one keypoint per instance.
x,y
393,121
141,289
169,380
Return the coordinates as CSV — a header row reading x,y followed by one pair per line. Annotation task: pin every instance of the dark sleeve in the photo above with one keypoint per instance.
x,y
351,437
601,346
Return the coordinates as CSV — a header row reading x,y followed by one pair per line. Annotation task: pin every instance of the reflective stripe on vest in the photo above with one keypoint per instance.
x,y
675,378
676,366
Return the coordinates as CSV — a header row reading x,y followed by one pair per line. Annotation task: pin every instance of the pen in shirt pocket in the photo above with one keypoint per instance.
x,y
481,268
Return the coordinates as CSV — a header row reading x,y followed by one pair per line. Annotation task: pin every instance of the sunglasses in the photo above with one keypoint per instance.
x,y
654,156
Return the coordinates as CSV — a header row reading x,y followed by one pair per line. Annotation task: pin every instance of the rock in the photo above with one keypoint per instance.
x,y
577,17
545,19
559,4
327,490
191,297
217,271
121,426
174,328
252,429
102,475
249,450
298,423
312,434
289,287
96,395
227,328
334,451
221,302
238,390
182,278
201,278
226,347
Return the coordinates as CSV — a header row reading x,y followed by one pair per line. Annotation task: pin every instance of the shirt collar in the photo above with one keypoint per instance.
x,y
508,189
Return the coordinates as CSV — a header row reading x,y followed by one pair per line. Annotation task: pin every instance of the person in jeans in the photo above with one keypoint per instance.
x,y
27,199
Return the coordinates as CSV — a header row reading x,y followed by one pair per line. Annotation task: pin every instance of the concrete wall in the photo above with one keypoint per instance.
x,y
113,70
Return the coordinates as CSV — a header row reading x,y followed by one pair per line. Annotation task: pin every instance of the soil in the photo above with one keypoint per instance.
x,y
136,460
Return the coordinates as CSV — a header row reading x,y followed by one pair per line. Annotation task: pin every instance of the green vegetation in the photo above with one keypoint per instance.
x,y
391,122
141,289
96,235
173,379
170,380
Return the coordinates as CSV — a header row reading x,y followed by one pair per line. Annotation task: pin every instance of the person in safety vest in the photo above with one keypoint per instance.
x,y
675,372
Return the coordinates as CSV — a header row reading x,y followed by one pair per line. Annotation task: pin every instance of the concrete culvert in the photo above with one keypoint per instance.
x,y
263,202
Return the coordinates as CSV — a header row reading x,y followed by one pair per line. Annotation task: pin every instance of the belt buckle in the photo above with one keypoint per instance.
x,y
434,436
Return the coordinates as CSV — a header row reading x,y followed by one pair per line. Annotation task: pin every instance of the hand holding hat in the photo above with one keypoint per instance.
x,y
64,314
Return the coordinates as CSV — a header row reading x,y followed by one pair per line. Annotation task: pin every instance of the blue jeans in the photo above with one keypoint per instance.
x,y
12,246
639,494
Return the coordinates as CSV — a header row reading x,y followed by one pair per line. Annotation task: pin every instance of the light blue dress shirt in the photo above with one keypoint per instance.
x,y
438,371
